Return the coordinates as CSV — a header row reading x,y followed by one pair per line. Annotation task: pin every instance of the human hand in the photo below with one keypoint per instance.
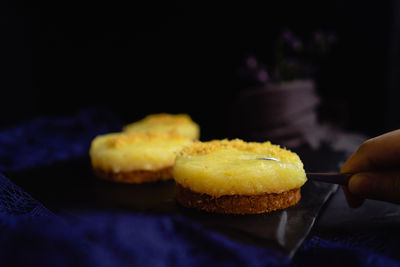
x,y
376,168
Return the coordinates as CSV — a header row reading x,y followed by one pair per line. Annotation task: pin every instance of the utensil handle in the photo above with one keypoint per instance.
x,y
333,178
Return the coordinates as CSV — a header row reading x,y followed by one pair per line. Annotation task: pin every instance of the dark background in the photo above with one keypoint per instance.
x,y
163,56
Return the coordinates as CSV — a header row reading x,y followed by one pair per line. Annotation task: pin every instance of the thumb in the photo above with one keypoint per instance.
x,y
376,185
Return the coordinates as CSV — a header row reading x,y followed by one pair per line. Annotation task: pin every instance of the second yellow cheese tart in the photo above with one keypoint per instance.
x,y
135,157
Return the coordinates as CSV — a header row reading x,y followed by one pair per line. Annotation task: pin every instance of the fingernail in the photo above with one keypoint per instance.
x,y
360,185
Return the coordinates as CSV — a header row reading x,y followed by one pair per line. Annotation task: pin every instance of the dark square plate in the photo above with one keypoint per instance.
x,y
69,187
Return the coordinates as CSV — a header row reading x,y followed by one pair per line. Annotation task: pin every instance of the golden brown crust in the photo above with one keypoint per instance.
x,y
237,204
134,177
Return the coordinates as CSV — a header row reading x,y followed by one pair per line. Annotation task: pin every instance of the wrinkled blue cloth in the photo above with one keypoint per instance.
x,y
50,139
32,235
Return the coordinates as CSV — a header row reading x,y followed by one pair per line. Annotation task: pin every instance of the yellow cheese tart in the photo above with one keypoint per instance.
x,y
135,157
231,177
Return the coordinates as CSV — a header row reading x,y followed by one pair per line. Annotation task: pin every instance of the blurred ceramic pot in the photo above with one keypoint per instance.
x,y
284,113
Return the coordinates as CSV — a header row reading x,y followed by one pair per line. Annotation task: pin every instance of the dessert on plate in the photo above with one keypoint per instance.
x,y
233,177
145,150
135,157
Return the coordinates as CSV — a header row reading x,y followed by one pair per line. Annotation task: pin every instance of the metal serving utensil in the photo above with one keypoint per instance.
x,y
327,177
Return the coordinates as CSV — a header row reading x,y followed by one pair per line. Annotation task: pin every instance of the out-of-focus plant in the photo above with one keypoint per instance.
x,y
294,58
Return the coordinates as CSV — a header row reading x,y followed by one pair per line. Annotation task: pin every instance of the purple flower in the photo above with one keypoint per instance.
x,y
287,35
262,76
318,36
251,62
293,41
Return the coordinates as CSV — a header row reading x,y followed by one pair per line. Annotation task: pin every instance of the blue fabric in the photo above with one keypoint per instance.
x,y
31,235
107,239
50,139
14,201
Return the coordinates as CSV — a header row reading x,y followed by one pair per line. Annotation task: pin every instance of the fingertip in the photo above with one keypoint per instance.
x,y
360,184
352,200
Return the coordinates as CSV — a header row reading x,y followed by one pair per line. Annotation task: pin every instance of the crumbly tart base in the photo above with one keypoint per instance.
x,y
134,177
237,204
